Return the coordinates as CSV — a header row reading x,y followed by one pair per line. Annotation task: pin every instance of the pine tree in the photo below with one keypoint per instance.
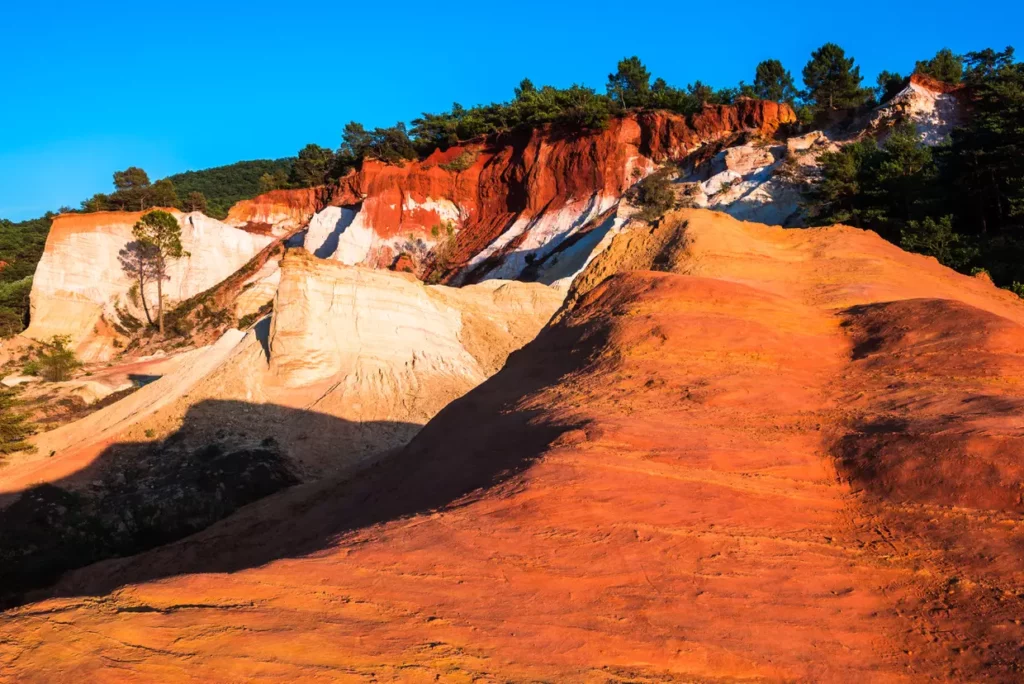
x,y
630,85
832,80
944,66
162,234
14,426
196,201
773,82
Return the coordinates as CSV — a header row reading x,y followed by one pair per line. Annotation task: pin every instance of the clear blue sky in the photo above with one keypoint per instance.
x,y
173,86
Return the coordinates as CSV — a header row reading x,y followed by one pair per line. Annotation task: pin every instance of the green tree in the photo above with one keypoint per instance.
x,y
986,64
982,168
773,82
944,66
312,166
654,194
832,80
525,89
139,260
889,84
273,181
900,178
630,86
55,360
161,234
161,194
196,201
838,196
131,178
881,188
355,140
223,186
936,238
14,426
700,92
131,189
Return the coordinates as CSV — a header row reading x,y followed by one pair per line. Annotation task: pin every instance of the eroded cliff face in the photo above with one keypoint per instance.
x,y
763,181
79,279
784,456
491,210
383,339
351,364
277,213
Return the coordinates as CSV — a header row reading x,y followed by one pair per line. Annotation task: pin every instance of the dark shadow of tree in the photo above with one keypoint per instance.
x,y
477,442
137,496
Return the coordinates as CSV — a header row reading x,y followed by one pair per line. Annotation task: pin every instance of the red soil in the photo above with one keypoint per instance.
x,y
773,460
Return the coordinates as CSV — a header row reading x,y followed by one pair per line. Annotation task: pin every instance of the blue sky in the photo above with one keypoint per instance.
x,y
189,85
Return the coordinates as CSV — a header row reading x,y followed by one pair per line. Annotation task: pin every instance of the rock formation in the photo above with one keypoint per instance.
x,y
508,203
79,278
777,456
277,213
763,180
350,365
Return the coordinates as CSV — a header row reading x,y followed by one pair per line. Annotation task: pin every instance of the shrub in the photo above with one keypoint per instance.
x,y
444,251
937,239
54,360
14,426
460,163
654,194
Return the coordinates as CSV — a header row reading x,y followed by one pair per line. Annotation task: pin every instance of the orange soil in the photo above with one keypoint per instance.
x,y
789,455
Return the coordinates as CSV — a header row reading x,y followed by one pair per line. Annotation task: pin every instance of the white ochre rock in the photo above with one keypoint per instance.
x,y
379,335
79,276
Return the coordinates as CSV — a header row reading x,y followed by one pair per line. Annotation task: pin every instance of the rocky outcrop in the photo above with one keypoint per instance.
x,y
781,456
391,345
763,181
935,108
277,213
492,209
79,279
351,364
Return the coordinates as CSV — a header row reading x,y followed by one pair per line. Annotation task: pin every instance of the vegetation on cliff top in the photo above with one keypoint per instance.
x,y
975,180
21,247
962,201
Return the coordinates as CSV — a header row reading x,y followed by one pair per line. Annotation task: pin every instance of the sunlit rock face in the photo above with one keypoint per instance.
x,y
497,209
79,277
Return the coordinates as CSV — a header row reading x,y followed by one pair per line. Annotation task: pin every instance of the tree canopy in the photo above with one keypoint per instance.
x,y
773,82
944,66
159,236
832,80
961,202
630,85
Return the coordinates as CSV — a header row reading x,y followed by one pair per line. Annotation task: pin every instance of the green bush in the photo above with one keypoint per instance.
x,y
654,194
461,162
54,360
14,426
937,239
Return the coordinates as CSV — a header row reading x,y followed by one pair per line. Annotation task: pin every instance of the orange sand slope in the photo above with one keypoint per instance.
x,y
788,455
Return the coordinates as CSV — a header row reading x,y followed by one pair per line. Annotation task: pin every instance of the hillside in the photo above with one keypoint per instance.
x,y
654,384
224,186
715,475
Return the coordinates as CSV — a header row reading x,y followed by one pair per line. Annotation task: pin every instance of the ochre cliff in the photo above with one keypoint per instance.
x,y
79,278
779,456
277,213
510,201
350,365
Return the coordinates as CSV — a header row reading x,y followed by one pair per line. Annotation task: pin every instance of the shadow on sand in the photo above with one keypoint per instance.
x,y
139,495
150,497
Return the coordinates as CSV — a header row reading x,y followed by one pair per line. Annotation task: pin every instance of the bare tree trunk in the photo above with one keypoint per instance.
x,y
160,301
142,296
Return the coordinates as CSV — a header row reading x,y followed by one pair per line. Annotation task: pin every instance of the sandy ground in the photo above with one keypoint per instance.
x,y
783,457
